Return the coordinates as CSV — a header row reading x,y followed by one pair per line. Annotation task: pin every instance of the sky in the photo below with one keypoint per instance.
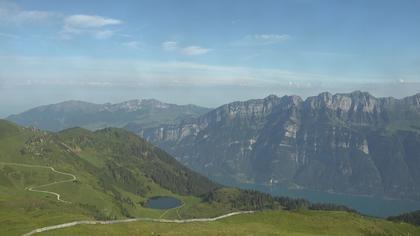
x,y
204,52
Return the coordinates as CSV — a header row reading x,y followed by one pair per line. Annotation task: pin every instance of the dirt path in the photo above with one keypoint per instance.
x,y
95,222
176,208
34,188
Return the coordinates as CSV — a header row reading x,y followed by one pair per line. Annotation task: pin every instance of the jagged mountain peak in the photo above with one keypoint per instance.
x,y
354,101
413,100
360,93
337,141
292,99
271,97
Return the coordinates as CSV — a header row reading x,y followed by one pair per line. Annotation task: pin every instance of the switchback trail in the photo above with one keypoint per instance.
x,y
34,188
95,222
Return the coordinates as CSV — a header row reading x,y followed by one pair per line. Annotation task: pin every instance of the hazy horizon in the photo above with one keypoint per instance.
x,y
204,53
168,98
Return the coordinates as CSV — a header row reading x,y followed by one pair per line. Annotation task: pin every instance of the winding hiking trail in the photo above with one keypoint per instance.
x,y
95,222
33,189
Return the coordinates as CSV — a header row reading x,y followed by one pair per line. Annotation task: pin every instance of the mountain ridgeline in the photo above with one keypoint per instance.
x,y
132,114
349,143
114,160
115,173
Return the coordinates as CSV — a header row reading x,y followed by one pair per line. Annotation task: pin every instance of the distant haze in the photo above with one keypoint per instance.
x,y
16,100
207,53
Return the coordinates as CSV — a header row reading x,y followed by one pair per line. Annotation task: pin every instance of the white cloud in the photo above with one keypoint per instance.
x,y
134,44
189,51
170,46
97,26
89,21
270,38
195,50
131,73
93,25
262,39
12,13
119,72
298,84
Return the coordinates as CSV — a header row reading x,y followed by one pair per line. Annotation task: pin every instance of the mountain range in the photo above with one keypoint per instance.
x,y
133,113
114,174
350,143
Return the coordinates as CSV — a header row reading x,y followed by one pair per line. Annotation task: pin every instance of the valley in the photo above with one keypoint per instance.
x,y
352,144
96,184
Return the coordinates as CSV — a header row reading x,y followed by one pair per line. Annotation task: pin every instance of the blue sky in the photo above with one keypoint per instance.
x,y
204,52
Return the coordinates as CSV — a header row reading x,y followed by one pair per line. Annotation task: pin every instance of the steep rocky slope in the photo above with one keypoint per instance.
x,y
350,143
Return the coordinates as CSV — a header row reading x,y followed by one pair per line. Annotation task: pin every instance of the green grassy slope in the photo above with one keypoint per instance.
x,y
300,223
116,173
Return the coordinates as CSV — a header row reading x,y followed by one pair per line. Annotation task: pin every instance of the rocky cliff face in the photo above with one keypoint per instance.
x,y
350,143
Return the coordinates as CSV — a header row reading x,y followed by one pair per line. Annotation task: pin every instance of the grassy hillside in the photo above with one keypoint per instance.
x,y
116,173
298,223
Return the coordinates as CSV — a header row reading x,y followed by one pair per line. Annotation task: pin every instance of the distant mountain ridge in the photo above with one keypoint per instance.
x,y
68,114
349,143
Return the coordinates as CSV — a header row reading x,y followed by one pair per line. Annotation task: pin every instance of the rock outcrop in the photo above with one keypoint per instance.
x,y
350,143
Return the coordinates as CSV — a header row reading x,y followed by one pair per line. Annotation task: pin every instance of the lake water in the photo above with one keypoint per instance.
x,y
373,206
163,202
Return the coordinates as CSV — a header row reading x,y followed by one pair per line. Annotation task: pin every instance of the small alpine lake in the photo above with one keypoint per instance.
x,y
163,202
